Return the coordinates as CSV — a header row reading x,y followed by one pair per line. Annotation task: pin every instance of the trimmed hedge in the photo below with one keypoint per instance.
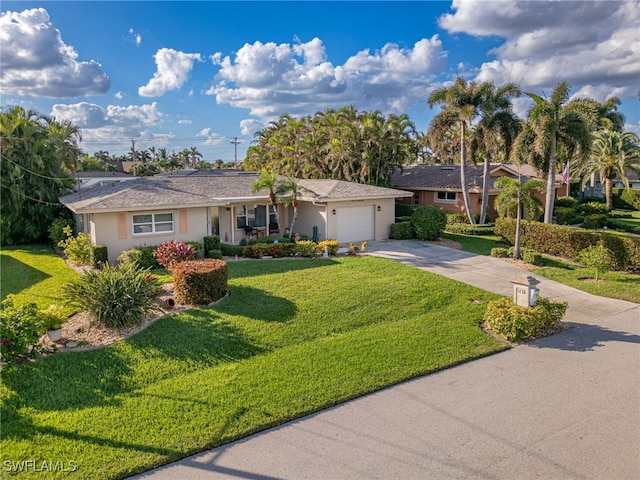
x,y
401,231
468,229
229,250
331,245
428,222
567,242
275,250
626,199
200,282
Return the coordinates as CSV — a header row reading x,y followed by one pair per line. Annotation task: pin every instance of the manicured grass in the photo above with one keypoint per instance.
x,y
295,336
623,286
480,244
634,221
34,273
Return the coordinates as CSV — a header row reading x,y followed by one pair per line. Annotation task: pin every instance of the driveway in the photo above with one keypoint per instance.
x,y
562,407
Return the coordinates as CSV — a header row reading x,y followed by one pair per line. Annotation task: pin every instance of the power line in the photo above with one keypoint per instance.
x,y
235,143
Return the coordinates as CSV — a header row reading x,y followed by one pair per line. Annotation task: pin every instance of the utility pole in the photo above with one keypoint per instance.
x,y
235,142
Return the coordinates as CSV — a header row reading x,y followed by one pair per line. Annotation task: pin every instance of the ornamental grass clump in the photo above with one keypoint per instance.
x,y
169,254
117,296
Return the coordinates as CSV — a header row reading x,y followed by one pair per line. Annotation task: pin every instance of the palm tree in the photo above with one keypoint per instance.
x,y
555,127
289,192
194,156
268,179
609,118
494,133
460,104
518,196
611,152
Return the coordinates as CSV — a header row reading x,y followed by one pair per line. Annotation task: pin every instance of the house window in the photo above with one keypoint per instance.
x,y
416,199
245,216
446,196
152,223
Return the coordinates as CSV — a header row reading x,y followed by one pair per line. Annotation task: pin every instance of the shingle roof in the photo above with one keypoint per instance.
x,y
204,190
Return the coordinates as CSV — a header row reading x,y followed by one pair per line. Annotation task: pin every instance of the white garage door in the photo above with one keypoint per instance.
x,y
355,224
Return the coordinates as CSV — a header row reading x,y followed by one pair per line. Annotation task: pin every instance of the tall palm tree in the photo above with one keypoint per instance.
x,y
609,118
518,196
268,180
611,152
289,192
494,134
460,104
555,127
194,156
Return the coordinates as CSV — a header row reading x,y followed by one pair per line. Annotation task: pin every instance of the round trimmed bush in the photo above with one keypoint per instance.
x,y
428,222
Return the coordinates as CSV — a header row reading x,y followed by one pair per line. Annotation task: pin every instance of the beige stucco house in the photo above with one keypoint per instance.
x,y
191,205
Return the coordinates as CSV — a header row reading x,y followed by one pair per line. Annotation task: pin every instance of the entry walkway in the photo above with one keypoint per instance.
x,y
562,407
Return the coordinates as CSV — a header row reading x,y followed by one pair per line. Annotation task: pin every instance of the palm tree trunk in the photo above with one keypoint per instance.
x,y
293,221
608,184
463,175
485,191
551,183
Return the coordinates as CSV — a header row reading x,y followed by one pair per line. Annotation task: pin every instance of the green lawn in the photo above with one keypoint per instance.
x,y
480,244
34,273
294,337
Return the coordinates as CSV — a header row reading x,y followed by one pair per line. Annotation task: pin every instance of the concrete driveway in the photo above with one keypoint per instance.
x,y
563,407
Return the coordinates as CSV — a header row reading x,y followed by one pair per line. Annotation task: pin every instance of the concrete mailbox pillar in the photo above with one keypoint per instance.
x,y
525,293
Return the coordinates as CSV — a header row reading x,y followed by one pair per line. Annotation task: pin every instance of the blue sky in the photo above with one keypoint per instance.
x,y
183,74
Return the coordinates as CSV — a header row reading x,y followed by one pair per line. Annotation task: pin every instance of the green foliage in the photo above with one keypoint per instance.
x,y
468,229
428,222
169,254
591,208
37,155
211,243
564,215
567,242
596,258
143,257
518,324
229,250
401,231
499,252
200,282
117,296
533,258
595,220
404,209
78,248
332,247
626,198
275,250
217,254
56,230
454,218
20,329
567,202
198,250
99,255
53,317
306,248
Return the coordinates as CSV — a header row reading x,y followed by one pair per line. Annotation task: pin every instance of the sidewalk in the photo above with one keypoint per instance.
x,y
562,407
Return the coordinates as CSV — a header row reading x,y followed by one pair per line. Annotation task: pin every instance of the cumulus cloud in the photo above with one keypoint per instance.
x,y
588,42
172,72
35,61
249,126
114,125
211,137
268,78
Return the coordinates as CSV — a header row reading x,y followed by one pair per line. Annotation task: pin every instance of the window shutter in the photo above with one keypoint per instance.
x,y
122,226
182,214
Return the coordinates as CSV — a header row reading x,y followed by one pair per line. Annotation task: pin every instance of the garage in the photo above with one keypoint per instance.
x,y
356,224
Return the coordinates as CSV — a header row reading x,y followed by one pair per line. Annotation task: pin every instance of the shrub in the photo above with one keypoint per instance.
x,y
499,252
169,254
200,282
453,218
517,324
592,199
20,329
468,229
217,254
53,317
567,202
306,248
404,209
229,250
143,257
99,255
211,243
401,231
197,249
564,214
595,220
428,222
533,258
623,198
331,245
590,208
77,249
56,229
486,220
117,296
596,258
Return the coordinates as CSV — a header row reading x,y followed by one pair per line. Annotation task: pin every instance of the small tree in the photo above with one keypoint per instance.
x,y
78,248
428,222
288,191
597,258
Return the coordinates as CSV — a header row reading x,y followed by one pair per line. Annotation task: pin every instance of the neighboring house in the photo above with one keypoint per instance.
x,y
440,185
595,188
181,207
90,179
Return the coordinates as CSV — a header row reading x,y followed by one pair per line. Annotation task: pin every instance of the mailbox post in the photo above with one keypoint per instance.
x,y
525,292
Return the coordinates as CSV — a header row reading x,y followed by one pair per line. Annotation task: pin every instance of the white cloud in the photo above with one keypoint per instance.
x,y
35,61
211,137
249,126
269,79
172,72
184,122
119,95
136,37
588,42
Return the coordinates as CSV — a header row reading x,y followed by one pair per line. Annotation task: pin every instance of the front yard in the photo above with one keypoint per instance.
x,y
295,336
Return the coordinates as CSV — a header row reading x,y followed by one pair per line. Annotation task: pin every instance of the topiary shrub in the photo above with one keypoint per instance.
x,y
428,222
20,329
99,255
332,247
211,243
401,231
169,254
56,229
499,252
217,254
306,248
117,296
518,324
200,282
